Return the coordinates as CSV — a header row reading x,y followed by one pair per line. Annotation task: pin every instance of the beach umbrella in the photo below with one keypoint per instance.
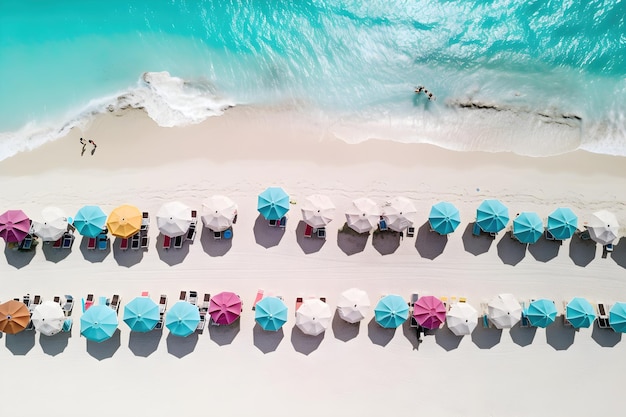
x,y
444,218
90,220
603,227
270,313
429,312
141,314
225,307
353,305
492,216
182,319
462,319
562,223
14,225
273,203
363,215
48,318
98,323
14,317
317,210
218,212
541,312
617,317
53,224
579,312
504,311
173,219
399,213
313,317
527,227
391,311
124,221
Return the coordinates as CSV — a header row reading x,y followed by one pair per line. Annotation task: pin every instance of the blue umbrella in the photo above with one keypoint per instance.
x,y
492,216
90,220
182,319
391,311
273,203
141,314
98,323
617,317
527,227
541,313
444,218
562,223
270,313
579,312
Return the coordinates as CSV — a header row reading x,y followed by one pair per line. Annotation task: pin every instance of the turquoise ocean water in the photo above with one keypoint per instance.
x,y
532,77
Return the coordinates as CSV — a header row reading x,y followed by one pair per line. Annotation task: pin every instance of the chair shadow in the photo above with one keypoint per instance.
x,y
379,335
581,252
486,338
429,244
128,257
144,344
544,250
265,341
171,256
21,343
224,335
412,334
476,245
619,253
344,331
308,244
522,336
106,349
54,345
93,255
54,254
559,336
181,346
446,339
266,235
351,242
304,343
510,250
386,242
605,337
17,258
215,247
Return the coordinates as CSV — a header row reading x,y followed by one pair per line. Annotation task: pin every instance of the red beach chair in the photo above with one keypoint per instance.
x,y
259,296
91,243
308,231
124,244
167,242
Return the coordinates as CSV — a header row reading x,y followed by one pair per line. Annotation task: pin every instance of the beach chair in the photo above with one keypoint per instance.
x,y
299,302
183,296
91,243
89,301
145,294
167,242
308,231
235,219
283,222
524,322
57,243
485,316
193,297
27,243
144,240
549,235
191,232
566,322
603,316
68,240
103,242
273,222
135,241
178,242
584,235
201,323
259,297
382,224
57,299
227,234
608,247
410,231
413,299
462,300
115,303
323,299
145,221
321,233
124,244
162,308
36,301
217,235
25,300
204,307
412,320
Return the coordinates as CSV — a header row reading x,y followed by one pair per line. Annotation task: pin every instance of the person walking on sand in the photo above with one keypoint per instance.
x,y
93,143
82,142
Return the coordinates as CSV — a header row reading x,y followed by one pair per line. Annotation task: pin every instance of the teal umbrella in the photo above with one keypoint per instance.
x,y
527,227
444,218
90,220
98,323
270,313
617,317
182,319
141,314
492,216
273,203
562,223
541,313
391,311
579,312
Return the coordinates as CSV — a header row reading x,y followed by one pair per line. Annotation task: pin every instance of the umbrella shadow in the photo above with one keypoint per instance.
x,y
266,341
128,257
105,349
605,337
522,336
93,255
171,256
412,334
304,343
486,338
476,245
224,335
386,242
510,250
344,331
446,339
619,253
144,344
429,244
215,247
351,242
581,252
559,336
20,343
545,250
308,244
378,334
17,258
266,235
54,345
54,254
181,346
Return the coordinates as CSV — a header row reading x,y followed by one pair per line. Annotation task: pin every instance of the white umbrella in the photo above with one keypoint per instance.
x,y
462,319
218,212
317,210
363,215
504,311
48,318
603,227
399,213
174,219
353,304
53,224
313,317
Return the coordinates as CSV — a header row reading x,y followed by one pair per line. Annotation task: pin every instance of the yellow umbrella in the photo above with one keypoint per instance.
x,y
124,221
14,317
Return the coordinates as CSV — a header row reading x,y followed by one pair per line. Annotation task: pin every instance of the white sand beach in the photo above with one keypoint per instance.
x,y
349,370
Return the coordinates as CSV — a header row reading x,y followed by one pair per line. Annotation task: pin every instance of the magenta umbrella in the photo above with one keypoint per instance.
x,y
225,308
14,225
429,312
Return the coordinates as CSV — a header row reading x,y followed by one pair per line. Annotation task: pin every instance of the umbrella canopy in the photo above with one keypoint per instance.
x,y
313,317
53,224
492,216
391,311
527,227
504,311
541,313
270,313
90,220
317,210
399,213
48,318
124,221
218,212
141,314
462,319
617,317
579,312
182,319
225,307
363,215
14,225
603,227
429,312
98,323
14,317
562,223
444,218
173,219
273,203
353,305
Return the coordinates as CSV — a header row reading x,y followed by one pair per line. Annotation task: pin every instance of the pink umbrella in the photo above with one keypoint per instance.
x,y
14,225
225,308
429,312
